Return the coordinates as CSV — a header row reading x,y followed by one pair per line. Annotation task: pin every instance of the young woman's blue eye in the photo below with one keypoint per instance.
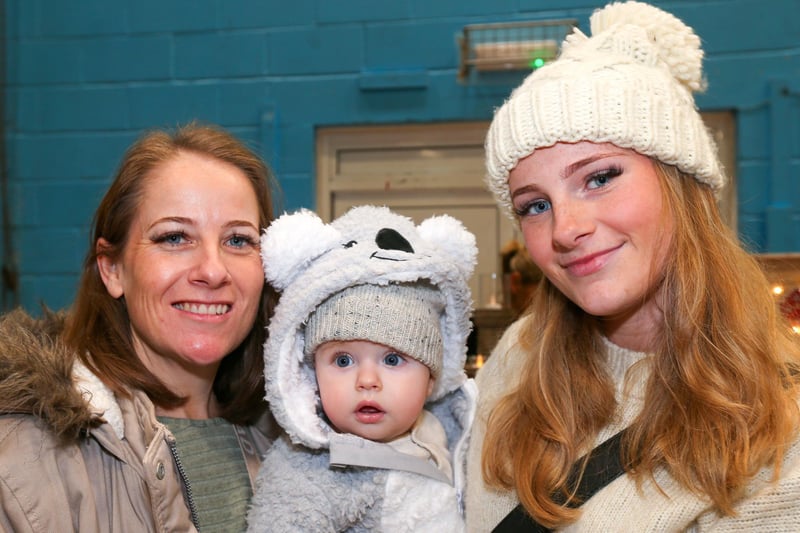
x,y
536,207
393,359
343,360
603,178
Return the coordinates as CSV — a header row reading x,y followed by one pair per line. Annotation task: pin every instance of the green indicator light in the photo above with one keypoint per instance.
x,y
536,63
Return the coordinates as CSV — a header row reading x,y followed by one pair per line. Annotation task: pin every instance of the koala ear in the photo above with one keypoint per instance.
x,y
453,239
291,242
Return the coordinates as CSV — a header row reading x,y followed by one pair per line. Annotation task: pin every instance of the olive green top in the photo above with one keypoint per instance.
x,y
216,471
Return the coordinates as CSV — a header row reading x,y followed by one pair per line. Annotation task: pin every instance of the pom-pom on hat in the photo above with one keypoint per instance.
x,y
629,84
402,316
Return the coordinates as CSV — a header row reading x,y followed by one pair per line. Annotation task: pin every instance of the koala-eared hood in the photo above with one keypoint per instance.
x,y
308,261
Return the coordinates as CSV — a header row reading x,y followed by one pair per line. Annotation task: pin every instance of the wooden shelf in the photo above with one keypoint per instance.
x,y
782,269
489,327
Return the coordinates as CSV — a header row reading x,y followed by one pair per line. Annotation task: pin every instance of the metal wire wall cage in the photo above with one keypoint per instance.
x,y
506,46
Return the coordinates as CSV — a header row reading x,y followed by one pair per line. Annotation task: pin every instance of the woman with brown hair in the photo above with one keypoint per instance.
x,y
651,385
142,409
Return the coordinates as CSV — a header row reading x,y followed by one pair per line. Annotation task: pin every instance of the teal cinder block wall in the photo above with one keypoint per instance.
x,y
85,78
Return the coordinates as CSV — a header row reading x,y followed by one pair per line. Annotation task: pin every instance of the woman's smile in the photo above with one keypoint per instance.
x,y
591,263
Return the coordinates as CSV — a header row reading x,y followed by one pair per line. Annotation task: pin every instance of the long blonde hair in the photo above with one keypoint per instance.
x,y
724,371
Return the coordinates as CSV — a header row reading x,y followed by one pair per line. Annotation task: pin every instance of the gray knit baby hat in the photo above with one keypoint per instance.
x,y
403,316
629,84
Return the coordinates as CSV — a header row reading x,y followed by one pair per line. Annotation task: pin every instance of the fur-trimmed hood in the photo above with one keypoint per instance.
x,y
39,375
309,260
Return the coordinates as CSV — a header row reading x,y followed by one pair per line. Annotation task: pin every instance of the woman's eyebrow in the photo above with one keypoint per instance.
x,y
571,168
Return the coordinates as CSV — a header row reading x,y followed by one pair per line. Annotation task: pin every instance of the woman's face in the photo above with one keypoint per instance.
x,y
593,221
191,271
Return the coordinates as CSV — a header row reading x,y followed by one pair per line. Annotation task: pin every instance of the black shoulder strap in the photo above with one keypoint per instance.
x,y
604,466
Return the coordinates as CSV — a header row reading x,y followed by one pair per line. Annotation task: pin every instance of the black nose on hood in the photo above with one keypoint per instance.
x,y
389,239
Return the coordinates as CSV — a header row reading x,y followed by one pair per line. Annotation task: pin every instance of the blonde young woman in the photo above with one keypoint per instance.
x,y
651,319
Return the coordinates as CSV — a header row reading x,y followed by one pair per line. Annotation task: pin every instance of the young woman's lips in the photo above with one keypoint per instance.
x,y
589,264
369,413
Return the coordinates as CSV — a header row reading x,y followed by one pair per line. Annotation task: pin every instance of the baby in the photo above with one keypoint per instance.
x,y
365,373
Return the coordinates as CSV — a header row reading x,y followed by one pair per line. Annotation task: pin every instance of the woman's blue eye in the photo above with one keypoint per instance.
x,y
601,179
240,241
539,206
343,360
171,238
536,207
393,359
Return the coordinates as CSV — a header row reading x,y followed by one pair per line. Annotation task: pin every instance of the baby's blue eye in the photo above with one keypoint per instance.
x,y
343,360
393,359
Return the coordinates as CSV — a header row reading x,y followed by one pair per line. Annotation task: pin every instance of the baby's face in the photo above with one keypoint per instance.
x,y
369,389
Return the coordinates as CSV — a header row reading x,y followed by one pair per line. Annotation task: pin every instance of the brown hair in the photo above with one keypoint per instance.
x,y
724,367
98,327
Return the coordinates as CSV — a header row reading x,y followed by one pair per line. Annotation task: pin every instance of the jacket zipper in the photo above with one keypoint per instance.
x,y
189,498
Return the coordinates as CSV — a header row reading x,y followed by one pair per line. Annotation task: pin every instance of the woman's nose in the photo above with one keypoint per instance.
x,y
571,222
210,267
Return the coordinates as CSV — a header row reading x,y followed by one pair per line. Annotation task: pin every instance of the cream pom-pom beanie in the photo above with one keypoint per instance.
x,y
629,84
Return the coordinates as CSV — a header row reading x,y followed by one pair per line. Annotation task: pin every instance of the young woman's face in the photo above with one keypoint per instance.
x,y
593,221
369,389
191,272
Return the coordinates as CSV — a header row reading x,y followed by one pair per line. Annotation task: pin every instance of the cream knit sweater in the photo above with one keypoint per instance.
x,y
773,507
